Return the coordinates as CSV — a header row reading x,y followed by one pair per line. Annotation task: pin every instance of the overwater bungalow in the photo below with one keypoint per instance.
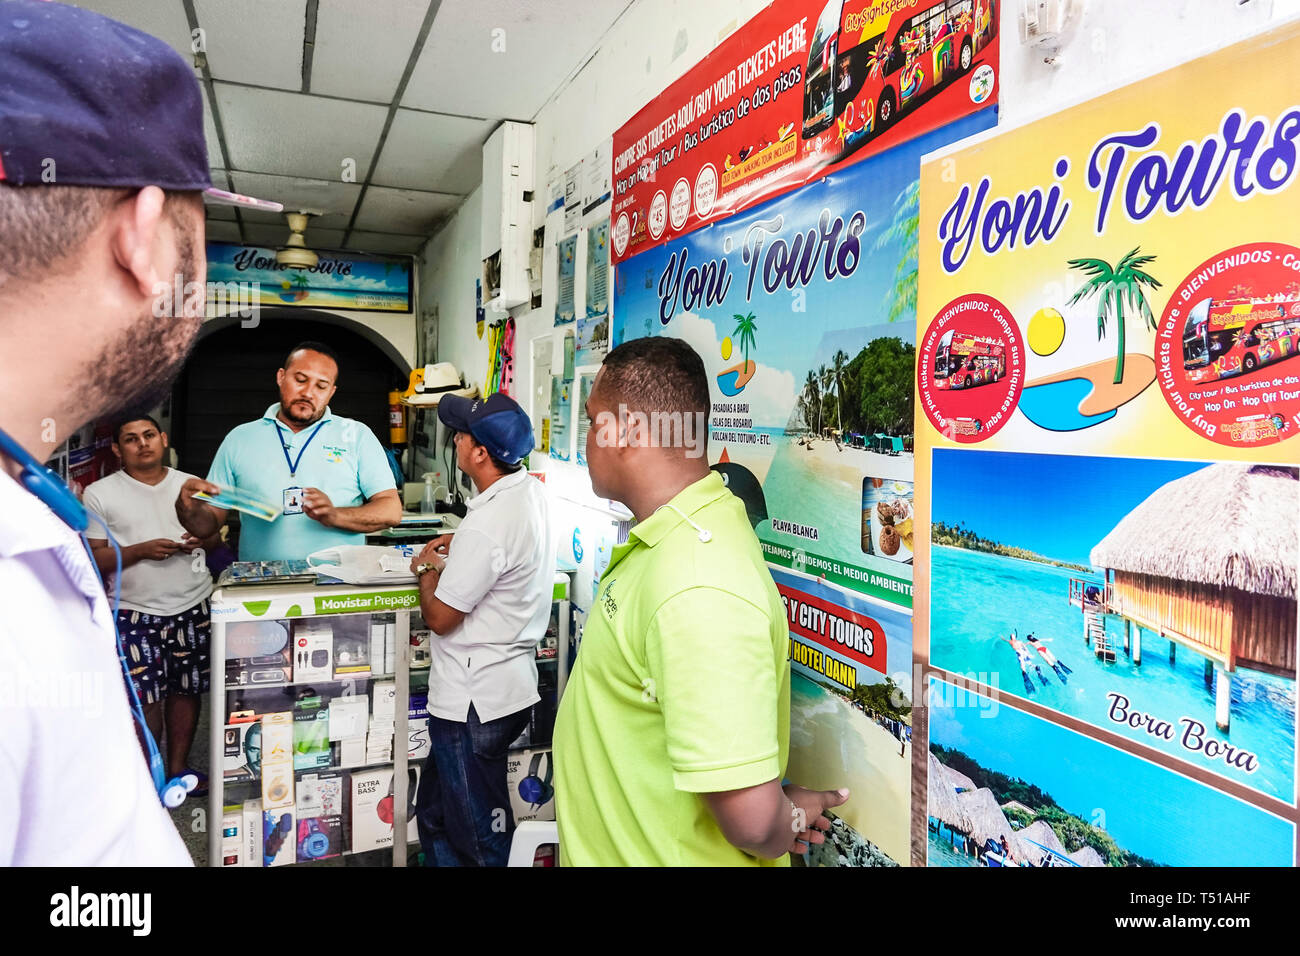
x,y
1207,561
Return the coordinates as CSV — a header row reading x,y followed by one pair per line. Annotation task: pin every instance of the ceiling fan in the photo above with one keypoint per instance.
x,y
294,253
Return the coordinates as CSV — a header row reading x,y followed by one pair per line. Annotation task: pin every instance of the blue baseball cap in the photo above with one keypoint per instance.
x,y
88,101
497,423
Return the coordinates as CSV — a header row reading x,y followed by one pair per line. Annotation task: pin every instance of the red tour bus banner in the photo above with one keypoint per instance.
x,y
834,628
803,88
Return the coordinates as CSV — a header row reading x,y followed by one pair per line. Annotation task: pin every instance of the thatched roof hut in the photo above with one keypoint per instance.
x,y
1209,561
942,796
959,780
986,820
1087,856
1016,805
1040,832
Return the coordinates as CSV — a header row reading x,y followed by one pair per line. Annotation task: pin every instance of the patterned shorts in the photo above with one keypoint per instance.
x,y
167,654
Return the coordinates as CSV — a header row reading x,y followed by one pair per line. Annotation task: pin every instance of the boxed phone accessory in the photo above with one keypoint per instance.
x,y
375,649
243,749
534,799
390,647
320,815
384,706
277,761
232,840
351,646
279,845
417,728
251,855
313,650
372,802
311,739
420,655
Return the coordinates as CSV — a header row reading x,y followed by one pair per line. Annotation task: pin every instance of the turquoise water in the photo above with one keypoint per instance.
x,y
1055,406
942,853
727,383
978,598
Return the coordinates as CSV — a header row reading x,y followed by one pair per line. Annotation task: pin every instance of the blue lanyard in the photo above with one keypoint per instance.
x,y
284,447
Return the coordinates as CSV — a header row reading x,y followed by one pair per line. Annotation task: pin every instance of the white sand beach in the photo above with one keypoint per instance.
x,y
834,745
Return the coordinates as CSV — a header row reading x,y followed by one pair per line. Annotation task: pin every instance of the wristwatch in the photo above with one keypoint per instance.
x,y
420,569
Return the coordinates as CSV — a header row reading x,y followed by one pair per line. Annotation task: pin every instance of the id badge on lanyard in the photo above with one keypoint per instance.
x,y
293,495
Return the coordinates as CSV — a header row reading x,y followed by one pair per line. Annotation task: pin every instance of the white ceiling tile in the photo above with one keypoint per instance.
x,y
262,234
164,20
463,68
325,200
361,48
252,41
383,243
325,238
295,135
433,151
403,211
221,231
215,156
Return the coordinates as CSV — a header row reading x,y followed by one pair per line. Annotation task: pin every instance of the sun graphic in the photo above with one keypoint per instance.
x,y
726,348
1046,331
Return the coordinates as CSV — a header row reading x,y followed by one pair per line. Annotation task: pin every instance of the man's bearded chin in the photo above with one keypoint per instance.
x,y
136,369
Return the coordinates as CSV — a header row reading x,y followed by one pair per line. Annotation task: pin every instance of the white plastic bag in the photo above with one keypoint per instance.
x,y
363,564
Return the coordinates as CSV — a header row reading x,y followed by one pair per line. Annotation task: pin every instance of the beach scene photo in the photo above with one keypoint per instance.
x,y
1155,599
851,726
803,309
1008,789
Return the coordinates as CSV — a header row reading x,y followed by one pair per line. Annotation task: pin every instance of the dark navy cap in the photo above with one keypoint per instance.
x,y
88,101
497,423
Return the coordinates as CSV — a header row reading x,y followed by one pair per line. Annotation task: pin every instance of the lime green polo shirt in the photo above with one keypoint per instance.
x,y
682,687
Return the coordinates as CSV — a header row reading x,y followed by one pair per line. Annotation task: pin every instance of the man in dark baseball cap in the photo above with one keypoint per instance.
x,y
102,169
489,601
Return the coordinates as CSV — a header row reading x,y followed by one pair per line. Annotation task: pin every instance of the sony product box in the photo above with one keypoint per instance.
x,y
372,810
277,761
313,650
352,646
251,854
417,728
279,837
311,737
243,749
320,815
232,837
534,799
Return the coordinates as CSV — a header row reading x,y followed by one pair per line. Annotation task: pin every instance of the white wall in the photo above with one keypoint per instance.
x,y
656,41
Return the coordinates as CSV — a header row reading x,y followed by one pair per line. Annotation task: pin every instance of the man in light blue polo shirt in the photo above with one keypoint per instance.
x,y
328,475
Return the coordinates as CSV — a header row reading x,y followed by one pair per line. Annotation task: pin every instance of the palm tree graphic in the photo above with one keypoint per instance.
x,y
904,230
1113,288
744,332
812,389
824,376
838,362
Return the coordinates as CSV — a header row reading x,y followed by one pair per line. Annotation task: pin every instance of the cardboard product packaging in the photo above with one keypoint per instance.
x,y
313,650
251,854
277,761
243,750
311,739
372,810
417,728
351,646
519,764
320,815
279,843
232,837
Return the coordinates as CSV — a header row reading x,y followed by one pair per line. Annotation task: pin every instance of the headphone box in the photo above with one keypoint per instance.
x,y
520,765
371,801
252,833
243,756
313,650
320,815
279,836
232,839
277,761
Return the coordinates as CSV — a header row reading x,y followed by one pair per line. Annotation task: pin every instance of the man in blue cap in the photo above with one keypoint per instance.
x,y
488,601
102,166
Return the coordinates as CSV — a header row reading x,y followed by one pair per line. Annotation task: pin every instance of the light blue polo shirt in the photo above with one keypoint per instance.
x,y
344,460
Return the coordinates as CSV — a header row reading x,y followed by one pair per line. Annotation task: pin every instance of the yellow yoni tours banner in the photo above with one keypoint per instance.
x,y
1107,441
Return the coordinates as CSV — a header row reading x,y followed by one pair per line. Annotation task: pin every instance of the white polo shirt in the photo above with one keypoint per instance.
x,y
68,739
500,572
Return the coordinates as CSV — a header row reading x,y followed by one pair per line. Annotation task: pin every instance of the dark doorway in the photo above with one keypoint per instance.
x,y
229,379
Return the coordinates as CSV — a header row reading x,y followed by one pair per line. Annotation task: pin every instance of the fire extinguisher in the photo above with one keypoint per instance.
x,y
396,419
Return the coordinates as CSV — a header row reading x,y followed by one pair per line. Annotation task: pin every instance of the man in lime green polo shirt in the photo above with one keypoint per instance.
x,y
673,732
327,474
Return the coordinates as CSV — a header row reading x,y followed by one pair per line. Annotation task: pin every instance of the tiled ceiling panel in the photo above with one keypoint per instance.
x,y
253,41
361,48
320,197
384,243
296,135
403,211
504,58
432,151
